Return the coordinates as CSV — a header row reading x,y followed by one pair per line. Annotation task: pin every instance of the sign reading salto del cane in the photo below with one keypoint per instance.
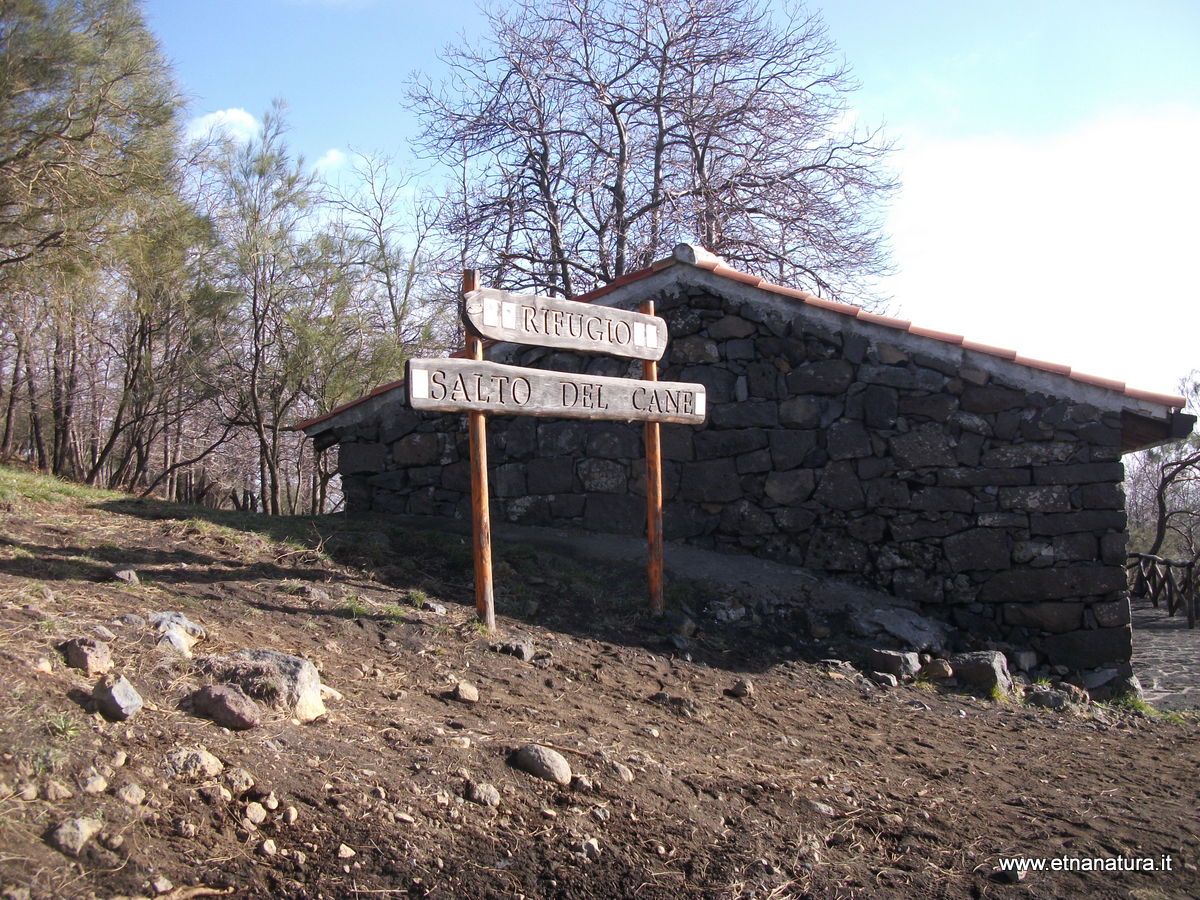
x,y
458,385
478,388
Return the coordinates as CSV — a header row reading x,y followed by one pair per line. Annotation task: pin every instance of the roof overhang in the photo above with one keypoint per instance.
x,y
1148,419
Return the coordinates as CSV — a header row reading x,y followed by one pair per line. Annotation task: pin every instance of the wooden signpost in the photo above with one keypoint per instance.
x,y
477,387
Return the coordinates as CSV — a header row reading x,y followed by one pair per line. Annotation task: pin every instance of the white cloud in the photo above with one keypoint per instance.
x,y
234,124
1079,248
333,160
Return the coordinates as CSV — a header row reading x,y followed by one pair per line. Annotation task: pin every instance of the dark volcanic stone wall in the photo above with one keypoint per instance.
x,y
998,508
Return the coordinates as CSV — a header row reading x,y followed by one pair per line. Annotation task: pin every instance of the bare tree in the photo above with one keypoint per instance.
x,y
388,223
1163,492
592,135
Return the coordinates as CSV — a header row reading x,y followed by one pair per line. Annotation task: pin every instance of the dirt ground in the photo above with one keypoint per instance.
x,y
818,784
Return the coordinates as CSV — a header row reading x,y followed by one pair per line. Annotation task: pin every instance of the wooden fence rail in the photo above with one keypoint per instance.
x,y
1170,580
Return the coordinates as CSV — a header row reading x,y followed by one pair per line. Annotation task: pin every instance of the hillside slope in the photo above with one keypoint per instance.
x,y
813,783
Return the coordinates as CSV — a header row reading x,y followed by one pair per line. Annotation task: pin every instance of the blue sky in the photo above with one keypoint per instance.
x,y
1047,150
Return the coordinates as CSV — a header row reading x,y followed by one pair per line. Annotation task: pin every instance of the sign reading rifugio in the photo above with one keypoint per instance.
x,y
451,385
569,324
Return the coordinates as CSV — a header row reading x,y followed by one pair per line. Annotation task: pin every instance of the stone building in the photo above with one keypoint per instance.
x,y
982,485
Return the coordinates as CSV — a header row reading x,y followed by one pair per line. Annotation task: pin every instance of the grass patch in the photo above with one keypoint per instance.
x,y
62,725
1130,703
394,612
19,486
353,607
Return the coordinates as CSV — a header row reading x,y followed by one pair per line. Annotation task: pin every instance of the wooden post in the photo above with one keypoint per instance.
x,y
481,523
654,508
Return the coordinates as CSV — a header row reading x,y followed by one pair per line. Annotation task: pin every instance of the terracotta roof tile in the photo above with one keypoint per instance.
x,y
885,321
990,350
1056,368
834,306
734,275
945,337
1099,381
1152,397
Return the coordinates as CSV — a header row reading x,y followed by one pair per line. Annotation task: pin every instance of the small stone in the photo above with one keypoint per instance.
x,y
162,885
648,731
268,848
239,780
104,633
821,809
582,783
345,852
460,741
42,664
194,764
119,758
892,819
27,791
93,656
290,815
591,848
885,679
623,773
183,828
131,793
542,762
521,648
127,575
112,841
271,802
405,818
227,705
129,620
483,793
116,698
256,813
465,692
936,670
55,791
95,784
71,836
743,687
436,608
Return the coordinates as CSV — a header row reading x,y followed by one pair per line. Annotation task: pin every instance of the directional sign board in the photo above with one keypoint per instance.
x,y
460,385
554,322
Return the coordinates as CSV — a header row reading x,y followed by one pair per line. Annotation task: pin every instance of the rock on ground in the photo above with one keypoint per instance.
x,y
465,692
542,762
483,793
194,763
116,698
985,669
521,648
177,632
894,662
227,705
93,656
279,679
71,836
